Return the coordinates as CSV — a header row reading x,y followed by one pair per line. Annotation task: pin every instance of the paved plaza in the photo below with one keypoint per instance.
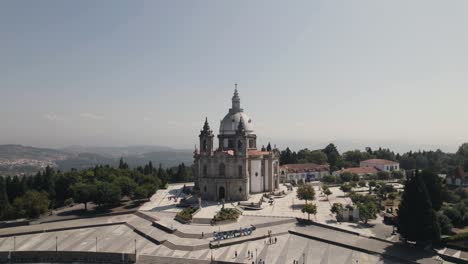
x,y
154,244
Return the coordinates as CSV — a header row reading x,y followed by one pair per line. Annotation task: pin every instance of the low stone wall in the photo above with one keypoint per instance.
x,y
65,257
7,224
60,229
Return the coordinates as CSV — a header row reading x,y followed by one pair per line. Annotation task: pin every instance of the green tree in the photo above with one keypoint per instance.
x,y
367,210
309,208
83,193
416,218
433,185
346,188
396,174
4,202
346,176
327,192
32,204
362,183
383,175
106,194
333,156
140,193
126,185
306,192
444,223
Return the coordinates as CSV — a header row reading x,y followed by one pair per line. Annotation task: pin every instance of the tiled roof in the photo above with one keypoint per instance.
x,y
379,161
359,170
305,167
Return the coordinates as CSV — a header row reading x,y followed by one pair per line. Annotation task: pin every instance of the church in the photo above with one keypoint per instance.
x,y
236,168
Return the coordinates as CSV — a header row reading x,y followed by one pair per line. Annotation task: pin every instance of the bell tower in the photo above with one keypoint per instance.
x,y
206,140
241,139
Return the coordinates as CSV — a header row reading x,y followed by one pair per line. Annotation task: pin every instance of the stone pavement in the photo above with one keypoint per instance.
x,y
364,244
311,244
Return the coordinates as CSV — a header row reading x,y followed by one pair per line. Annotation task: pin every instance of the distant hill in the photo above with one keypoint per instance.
x,y
18,159
116,151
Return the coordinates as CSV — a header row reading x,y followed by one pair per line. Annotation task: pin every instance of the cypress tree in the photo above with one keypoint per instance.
x,y
416,217
4,203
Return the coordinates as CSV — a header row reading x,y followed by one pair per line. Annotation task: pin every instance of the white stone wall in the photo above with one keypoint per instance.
x,y
256,182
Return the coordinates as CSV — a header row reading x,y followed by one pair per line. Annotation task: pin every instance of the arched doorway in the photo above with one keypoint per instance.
x,y
221,193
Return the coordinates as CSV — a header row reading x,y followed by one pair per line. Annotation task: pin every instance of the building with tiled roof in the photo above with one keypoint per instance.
x,y
361,171
303,171
236,168
381,164
458,178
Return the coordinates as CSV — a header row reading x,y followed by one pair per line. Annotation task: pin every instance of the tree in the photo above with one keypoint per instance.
x,y
306,192
268,148
396,174
383,175
327,192
106,194
336,209
444,223
4,202
367,210
433,185
32,204
416,218
122,165
83,193
346,188
140,193
346,176
126,185
309,208
362,183
333,156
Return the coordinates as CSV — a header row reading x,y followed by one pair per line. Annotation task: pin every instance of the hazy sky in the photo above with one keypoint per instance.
x,y
148,72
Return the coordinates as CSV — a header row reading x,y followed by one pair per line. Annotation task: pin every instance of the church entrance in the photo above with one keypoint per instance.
x,y
221,193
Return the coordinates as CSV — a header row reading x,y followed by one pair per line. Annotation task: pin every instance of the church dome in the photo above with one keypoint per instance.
x,y
231,121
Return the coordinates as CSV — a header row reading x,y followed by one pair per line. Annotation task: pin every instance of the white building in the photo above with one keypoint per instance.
x,y
361,171
304,172
381,164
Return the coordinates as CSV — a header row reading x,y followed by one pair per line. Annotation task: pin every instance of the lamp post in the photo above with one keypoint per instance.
x,y
96,244
256,256
135,248
56,244
14,243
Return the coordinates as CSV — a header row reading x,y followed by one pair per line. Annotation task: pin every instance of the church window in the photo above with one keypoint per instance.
x,y
263,169
230,143
204,188
251,143
205,146
240,189
205,171
222,169
256,173
240,171
276,168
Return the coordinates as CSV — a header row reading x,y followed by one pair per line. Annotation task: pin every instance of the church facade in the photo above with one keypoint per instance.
x,y
235,168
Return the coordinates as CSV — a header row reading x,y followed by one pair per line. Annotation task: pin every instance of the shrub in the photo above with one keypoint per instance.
x,y
68,202
226,214
187,213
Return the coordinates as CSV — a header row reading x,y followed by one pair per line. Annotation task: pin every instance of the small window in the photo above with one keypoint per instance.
x,y
204,188
240,171
205,171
